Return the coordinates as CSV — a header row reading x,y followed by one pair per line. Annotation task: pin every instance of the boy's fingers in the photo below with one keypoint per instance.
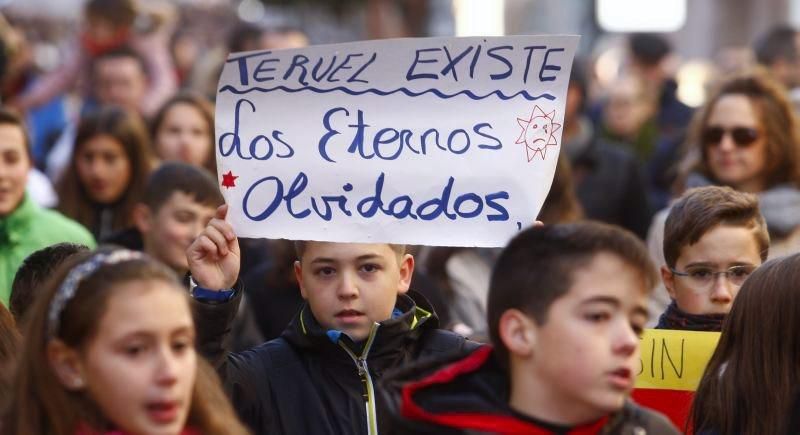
x,y
219,240
223,227
222,211
207,247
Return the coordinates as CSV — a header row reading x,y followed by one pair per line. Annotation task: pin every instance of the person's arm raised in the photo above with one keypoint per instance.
x,y
214,256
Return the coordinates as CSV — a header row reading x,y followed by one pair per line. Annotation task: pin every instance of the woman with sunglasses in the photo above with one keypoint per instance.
x,y
746,137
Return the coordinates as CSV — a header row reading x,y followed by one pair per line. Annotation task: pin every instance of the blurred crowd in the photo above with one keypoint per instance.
x,y
107,138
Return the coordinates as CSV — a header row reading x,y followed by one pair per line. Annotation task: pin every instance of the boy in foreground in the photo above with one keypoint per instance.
x,y
319,377
714,238
567,304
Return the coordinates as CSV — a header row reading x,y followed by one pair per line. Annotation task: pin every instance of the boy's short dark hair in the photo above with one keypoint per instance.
x,y
777,44
300,248
539,264
703,208
34,271
120,13
122,52
649,49
174,177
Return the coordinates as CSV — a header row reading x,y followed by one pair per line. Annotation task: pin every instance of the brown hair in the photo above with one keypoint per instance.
x,y
561,204
538,267
120,13
10,117
128,129
9,343
777,122
300,248
701,209
206,110
40,402
173,177
751,381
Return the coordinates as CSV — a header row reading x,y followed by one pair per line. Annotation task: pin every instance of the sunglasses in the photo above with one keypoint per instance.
x,y
742,136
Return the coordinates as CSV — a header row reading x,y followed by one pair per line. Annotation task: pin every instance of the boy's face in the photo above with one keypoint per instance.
x,y
585,356
168,231
349,286
718,250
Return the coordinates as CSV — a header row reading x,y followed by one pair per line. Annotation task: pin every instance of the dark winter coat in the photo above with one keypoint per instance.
x,y
468,393
317,381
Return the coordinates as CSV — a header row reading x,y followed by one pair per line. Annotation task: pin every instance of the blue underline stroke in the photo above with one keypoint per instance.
x,y
406,91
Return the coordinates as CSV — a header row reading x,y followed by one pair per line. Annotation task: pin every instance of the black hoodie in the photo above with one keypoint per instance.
x,y
317,381
468,393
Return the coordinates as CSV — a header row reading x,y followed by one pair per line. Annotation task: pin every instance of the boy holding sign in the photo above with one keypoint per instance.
x,y
319,376
566,306
714,237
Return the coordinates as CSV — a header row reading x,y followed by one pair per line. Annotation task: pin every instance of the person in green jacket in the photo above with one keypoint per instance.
x,y
24,226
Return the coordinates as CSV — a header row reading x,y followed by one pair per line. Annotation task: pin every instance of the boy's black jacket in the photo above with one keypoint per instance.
x,y
467,393
305,382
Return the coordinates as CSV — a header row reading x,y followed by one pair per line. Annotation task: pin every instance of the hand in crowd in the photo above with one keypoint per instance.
x,y
214,257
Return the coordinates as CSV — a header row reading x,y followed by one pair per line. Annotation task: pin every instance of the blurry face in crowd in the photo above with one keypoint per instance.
x,y
103,168
14,167
584,357
720,249
120,81
168,231
184,136
736,159
627,108
140,367
350,286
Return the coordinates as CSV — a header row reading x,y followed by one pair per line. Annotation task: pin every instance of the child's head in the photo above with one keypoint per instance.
x,y
15,161
750,383
110,346
119,77
109,167
711,230
350,286
107,20
566,304
34,271
178,202
183,130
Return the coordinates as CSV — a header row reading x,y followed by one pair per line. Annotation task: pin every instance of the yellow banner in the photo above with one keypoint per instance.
x,y
674,360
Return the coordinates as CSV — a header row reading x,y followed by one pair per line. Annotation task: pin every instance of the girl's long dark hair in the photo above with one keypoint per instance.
x,y
753,378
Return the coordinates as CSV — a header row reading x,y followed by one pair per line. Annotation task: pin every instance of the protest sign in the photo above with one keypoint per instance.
x,y
670,368
440,141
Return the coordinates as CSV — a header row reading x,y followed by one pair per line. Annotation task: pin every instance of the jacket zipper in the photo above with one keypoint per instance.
x,y
366,379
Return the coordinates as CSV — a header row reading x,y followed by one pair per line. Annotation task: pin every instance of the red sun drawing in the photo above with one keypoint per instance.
x,y
538,132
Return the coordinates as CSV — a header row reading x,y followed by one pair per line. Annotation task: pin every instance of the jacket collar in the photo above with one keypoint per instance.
x,y
412,315
12,227
495,415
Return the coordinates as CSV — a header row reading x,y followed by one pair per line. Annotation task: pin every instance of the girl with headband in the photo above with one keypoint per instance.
x,y
109,349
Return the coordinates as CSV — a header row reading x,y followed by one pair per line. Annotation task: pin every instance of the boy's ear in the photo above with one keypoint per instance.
x,y
142,218
298,274
669,280
518,333
67,365
406,273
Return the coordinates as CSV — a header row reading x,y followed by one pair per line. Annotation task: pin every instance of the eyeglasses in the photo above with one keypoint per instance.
x,y
701,278
742,136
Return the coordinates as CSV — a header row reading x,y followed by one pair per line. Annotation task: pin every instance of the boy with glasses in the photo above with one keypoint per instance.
x,y
714,238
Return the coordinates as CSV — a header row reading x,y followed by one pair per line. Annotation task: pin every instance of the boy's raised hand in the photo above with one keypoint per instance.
x,y
214,257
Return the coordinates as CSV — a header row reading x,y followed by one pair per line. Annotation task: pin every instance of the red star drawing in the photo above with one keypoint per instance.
x,y
229,180
538,132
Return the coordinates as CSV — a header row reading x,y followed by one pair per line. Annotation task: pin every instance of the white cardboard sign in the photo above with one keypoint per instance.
x,y
434,141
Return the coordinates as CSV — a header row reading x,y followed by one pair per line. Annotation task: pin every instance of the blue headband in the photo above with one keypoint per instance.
x,y
80,272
